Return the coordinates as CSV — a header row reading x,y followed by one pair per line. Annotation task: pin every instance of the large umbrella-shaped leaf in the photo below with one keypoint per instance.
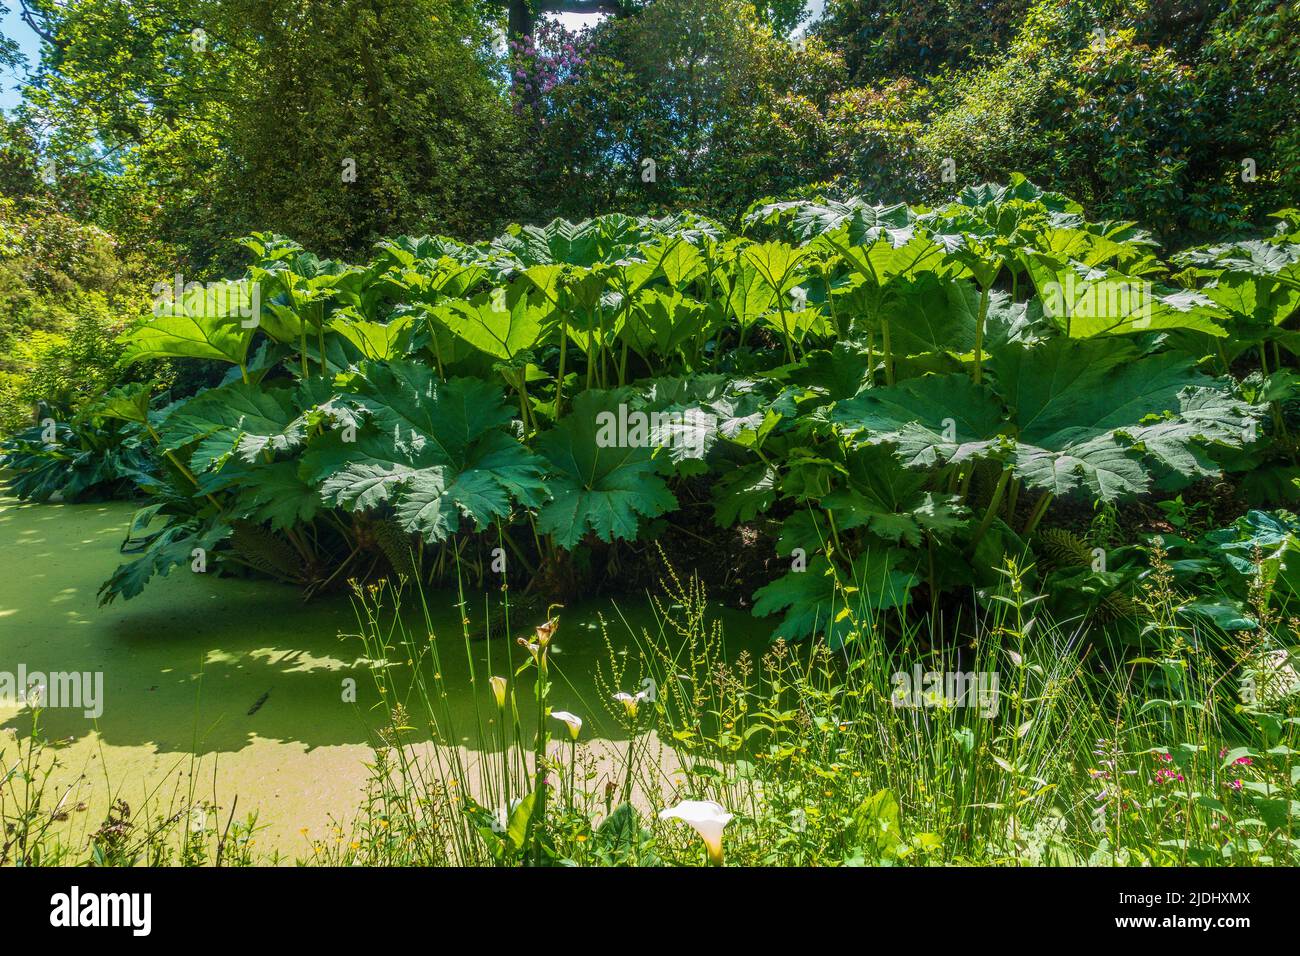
x,y
891,501
1073,413
859,221
1101,465
777,265
241,419
377,341
1262,300
1068,391
603,477
437,452
1087,302
931,420
1090,411
662,322
676,259
265,492
931,315
502,325
212,322
750,295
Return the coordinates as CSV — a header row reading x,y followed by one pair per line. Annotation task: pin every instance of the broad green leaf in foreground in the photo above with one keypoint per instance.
x,y
596,485
500,325
931,420
1087,302
377,341
247,420
437,452
1092,415
210,323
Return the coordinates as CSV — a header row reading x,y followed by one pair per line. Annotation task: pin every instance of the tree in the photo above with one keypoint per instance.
x,y
195,121
522,14
371,118
881,39
686,103
1180,115
10,56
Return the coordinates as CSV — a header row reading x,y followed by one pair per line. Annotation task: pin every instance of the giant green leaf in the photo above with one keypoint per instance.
x,y
437,452
210,322
1087,302
502,325
931,420
247,420
375,340
601,480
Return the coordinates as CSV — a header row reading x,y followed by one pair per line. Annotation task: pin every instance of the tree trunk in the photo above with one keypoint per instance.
x,y
522,16
521,20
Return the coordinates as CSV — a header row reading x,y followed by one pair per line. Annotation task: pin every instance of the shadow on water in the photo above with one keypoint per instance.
x,y
204,664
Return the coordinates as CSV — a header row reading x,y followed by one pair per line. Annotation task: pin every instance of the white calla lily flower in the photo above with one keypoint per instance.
x,y
707,818
631,702
572,721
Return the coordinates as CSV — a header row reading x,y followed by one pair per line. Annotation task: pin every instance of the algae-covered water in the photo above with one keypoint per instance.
x,y
242,675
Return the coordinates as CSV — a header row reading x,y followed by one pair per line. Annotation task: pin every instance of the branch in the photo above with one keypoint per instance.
x,y
614,8
39,23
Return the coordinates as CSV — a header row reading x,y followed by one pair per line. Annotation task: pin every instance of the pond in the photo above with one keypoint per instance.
x,y
239,687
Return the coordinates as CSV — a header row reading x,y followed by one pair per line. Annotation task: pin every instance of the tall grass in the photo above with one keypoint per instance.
x,y
1087,752
39,818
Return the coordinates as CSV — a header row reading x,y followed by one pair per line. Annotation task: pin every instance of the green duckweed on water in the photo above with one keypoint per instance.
x,y
239,682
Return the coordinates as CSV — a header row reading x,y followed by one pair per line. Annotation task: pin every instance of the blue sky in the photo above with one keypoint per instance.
x,y
14,28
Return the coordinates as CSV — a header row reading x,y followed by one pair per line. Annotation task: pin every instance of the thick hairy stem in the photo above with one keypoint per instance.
x,y
559,382
785,332
889,352
992,510
320,340
979,335
437,350
830,304
1036,516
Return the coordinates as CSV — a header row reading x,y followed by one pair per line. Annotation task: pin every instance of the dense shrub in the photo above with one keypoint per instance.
x,y
727,111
